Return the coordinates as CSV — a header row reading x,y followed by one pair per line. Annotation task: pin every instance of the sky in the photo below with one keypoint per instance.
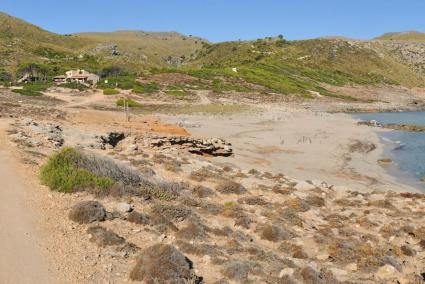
x,y
223,20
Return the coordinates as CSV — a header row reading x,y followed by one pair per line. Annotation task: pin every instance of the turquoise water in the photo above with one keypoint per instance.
x,y
407,149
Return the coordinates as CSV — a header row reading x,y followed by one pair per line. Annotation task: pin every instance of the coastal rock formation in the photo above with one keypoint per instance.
x,y
394,126
213,147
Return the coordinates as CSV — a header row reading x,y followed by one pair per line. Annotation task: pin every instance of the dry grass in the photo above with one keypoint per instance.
x,y
293,250
202,191
297,204
291,216
203,174
352,250
232,210
192,231
253,200
199,249
237,270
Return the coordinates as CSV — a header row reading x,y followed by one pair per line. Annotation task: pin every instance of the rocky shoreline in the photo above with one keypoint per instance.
x,y
394,126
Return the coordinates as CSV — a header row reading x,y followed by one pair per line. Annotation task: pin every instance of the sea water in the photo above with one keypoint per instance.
x,y
406,149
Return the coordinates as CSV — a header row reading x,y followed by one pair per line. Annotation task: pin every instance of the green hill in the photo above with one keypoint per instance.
x,y
302,66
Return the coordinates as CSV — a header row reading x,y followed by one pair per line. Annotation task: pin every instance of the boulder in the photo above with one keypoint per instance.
x,y
123,207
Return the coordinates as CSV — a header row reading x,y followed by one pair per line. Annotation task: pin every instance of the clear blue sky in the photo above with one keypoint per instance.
x,y
221,20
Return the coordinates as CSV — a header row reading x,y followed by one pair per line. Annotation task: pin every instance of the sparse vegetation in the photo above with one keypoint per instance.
x,y
110,91
75,86
147,88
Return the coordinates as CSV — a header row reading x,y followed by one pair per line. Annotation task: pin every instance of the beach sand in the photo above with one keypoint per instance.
x,y
301,144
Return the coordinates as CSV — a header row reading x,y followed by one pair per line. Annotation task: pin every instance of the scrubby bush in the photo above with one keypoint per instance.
x,y
164,264
130,103
110,91
71,170
252,200
28,93
62,173
147,88
87,212
106,167
202,191
104,237
166,191
5,77
273,233
237,270
230,187
74,86
203,174
123,82
112,71
175,213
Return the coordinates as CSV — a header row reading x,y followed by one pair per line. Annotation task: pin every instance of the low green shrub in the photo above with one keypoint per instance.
x,y
62,173
38,86
177,91
131,103
110,91
29,93
148,88
74,86
123,82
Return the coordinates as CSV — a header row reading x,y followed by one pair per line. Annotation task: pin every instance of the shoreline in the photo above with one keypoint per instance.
x,y
301,144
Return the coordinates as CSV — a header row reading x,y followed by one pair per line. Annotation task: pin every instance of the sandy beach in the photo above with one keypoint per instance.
x,y
302,144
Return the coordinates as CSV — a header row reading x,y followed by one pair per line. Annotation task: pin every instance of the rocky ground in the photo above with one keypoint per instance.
x,y
179,215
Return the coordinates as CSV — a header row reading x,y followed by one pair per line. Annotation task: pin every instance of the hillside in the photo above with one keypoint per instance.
x,y
139,48
22,42
412,36
303,67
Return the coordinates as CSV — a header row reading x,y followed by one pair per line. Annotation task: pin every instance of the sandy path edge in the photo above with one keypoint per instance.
x,y
21,258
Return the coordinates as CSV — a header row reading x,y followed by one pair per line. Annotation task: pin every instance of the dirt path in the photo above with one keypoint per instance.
x,y
21,260
73,100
